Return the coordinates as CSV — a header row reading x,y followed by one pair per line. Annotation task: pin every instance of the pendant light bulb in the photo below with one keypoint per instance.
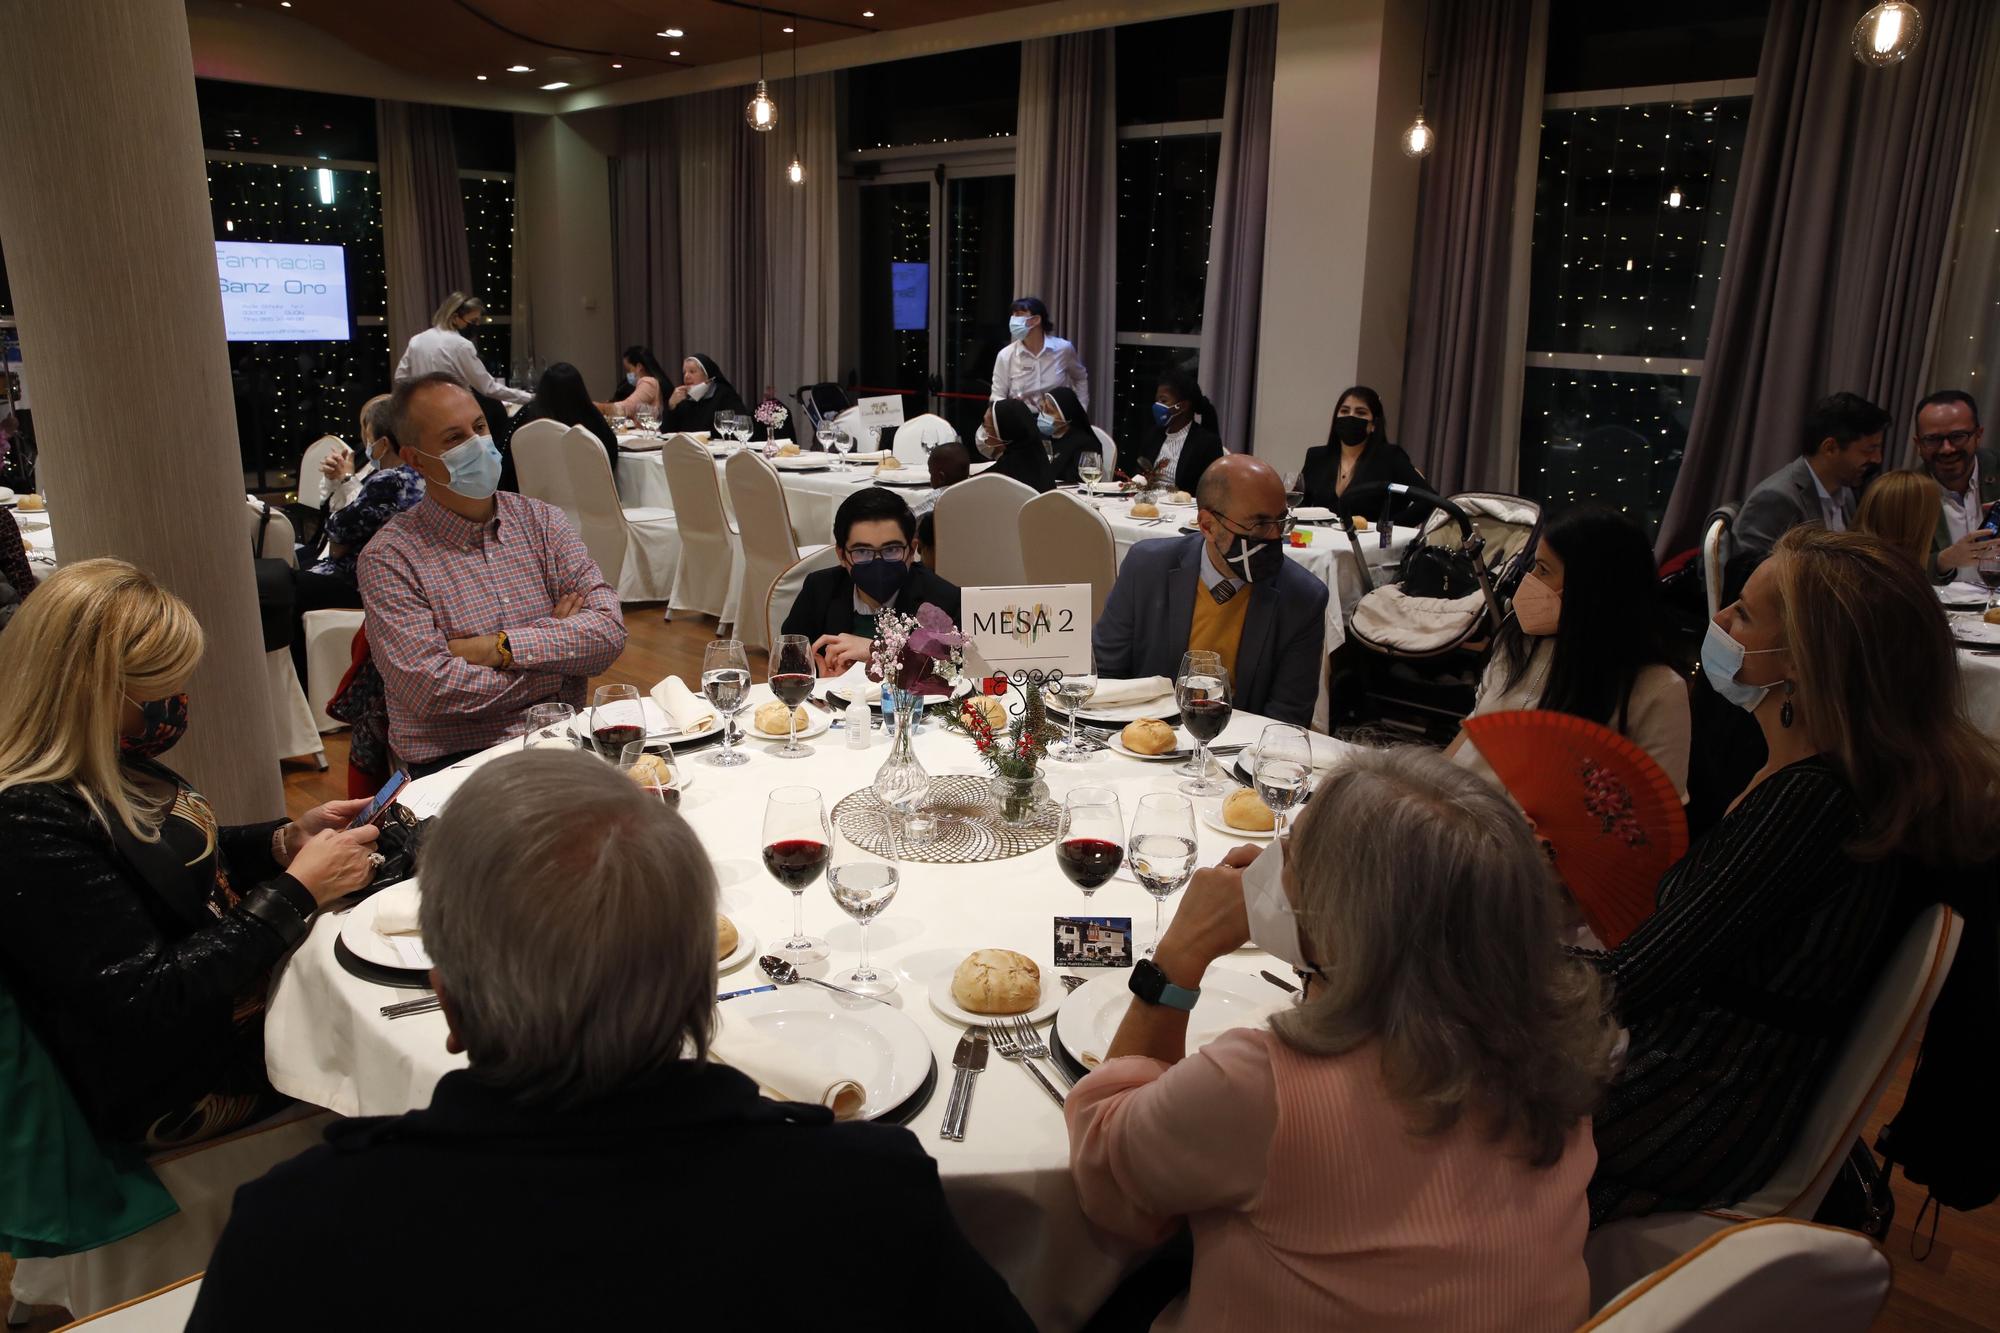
x,y
1887,34
1419,139
796,173
761,112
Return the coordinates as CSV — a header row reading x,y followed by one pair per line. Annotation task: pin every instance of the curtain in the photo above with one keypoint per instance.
x,y
424,254
1455,367
1843,208
1232,301
646,234
1964,346
801,325
528,366
722,273
1065,200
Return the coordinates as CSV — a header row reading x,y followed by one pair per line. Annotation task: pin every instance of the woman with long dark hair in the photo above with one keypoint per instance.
x,y
702,392
1582,639
561,397
1357,452
1180,437
644,384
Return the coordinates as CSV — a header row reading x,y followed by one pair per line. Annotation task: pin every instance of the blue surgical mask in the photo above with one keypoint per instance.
x,y
1162,413
1018,326
474,466
1046,424
632,378
1721,658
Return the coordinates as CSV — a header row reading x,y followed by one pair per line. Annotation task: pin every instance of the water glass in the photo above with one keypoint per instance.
x,y
549,726
797,839
1201,688
1090,839
1282,769
863,885
649,420
725,680
1161,850
1073,692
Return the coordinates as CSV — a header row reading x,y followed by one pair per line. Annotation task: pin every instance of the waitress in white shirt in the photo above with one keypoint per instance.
x,y
444,346
1036,360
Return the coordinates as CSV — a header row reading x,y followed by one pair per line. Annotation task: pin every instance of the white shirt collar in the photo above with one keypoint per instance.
x,y
1210,575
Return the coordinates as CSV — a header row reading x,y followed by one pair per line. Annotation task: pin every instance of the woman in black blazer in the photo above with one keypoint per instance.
x,y
1023,456
137,935
1183,419
1357,452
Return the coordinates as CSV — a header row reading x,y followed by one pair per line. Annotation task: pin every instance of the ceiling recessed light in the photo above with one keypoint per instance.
x,y
480,77
616,65
673,53
556,86
868,13
672,32
788,30
284,4
520,69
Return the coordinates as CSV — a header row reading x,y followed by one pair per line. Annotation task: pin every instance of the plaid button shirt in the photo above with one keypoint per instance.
x,y
430,576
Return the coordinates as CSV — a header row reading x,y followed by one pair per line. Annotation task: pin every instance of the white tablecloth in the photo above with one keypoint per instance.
x,y
1982,690
39,538
1009,1186
812,496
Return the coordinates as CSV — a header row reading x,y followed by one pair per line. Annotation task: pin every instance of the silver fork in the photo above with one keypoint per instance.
x,y
404,1008
1038,1049
1009,1046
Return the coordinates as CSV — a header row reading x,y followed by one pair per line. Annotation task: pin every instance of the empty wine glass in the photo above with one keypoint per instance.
x,y
725,680
797,842
649,420
1073,691
1295,489
550,726
722,427
792,680
1162,850
617,718
1282,770
1090,840
1201,688
828,438
863,885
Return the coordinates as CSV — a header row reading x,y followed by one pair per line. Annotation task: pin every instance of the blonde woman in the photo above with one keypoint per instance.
x,y
447,346
1876,798
136,936
1408,1147
1902,509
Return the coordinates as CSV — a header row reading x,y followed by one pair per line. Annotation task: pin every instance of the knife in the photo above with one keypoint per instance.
x,y
749,990
968,1060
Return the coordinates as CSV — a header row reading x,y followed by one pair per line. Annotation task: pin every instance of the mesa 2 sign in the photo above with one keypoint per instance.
x,y
1036,627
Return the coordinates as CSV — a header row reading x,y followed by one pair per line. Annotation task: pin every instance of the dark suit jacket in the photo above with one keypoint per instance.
x,y
1381,461
826,601
1780,503
1202,447
1989,491
623,1189
1144,628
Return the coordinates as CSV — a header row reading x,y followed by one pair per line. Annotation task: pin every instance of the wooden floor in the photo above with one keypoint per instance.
x,y
1956,1288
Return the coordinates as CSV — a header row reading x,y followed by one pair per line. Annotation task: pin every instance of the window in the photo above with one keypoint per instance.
x,y
948,98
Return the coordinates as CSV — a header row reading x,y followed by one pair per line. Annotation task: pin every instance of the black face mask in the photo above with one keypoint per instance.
x,y
1254,559
1351,430
881,579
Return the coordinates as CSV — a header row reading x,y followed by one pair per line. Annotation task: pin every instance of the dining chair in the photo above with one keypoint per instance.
x,y
1065,540
538,467
1109,448
642,543
1773,1272
1714,544
764,520
711,553
293,725
1620,1253
916,438
313,487
329,652
978,525
785,590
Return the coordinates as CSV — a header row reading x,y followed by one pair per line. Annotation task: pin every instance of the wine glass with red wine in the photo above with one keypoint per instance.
x,y
792,680
617,718
1201,687
1090,841
797,844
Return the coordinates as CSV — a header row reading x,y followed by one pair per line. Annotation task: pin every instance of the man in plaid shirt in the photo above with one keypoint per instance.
x,y
480,603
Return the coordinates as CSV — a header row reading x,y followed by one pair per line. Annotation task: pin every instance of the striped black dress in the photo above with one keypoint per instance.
x,y
1736,991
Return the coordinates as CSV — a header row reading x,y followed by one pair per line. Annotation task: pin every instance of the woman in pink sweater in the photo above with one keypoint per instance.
x,y
1408,1147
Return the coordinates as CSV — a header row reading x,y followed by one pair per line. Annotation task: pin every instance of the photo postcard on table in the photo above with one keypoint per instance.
x,y
1093,941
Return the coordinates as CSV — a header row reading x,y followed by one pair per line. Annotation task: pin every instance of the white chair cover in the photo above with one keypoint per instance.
x,y
162,1311
1109,450
786,590
1620,1253
646,543
313,486
539,470
1064,540
1772,1273
203,1181
1711,561
916,437
329,652
293,724
711,557
765,522
979,532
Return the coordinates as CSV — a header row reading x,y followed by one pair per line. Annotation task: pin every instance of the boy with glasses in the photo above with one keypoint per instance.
x,y
874,535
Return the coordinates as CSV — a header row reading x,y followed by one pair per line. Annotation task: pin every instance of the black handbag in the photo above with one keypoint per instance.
x,y
400,838
276,592
1437,571
1859,1198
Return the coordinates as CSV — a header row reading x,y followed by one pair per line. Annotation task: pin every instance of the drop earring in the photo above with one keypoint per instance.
x,y
1785,712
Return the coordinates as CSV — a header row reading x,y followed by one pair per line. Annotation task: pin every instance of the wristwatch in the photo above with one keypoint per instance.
x,y
1151,985
505,652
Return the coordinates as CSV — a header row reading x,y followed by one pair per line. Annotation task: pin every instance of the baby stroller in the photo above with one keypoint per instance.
x,y
1415,647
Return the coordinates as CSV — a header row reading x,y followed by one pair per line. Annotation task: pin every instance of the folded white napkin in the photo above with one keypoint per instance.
x,y
1112,692
854,684
395,921
793,1073
684,708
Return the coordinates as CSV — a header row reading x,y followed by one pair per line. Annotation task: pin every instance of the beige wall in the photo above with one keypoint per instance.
x,y
1341,216
563,193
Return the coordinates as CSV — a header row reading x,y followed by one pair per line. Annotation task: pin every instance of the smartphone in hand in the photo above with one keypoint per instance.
x,y
378,809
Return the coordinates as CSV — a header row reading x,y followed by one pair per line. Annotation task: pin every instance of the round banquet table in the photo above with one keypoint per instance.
x,y
326,1041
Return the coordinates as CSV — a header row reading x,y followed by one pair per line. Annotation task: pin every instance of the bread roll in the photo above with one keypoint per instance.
x,y
1145,509
788,451
992,709
651,771
30,503
770,718
1992,617
1180,498
1360,523
1148,735
889,464
725,937
1246,810
997,981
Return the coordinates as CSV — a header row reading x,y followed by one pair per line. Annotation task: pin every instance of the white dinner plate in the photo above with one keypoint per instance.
x,y
1105,488
1117,743
903,476
760,695
746,946
1968,627
659,727
1089,1018
939,989
1961,595
879,1047
357,931
803,463
1210,810
1161,707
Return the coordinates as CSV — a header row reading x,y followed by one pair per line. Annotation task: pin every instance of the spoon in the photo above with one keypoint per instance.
x,y
782,972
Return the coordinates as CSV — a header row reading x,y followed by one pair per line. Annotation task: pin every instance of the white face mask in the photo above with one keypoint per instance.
x,y
700,391
1274,923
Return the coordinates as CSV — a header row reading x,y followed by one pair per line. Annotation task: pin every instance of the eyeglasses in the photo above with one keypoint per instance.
x,y
862,555
1268,529
1957,439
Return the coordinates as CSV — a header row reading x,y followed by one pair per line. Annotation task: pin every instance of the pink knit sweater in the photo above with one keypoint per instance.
x,y
1314,1206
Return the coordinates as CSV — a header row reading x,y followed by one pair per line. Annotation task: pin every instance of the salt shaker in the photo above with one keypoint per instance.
x,y
858,722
